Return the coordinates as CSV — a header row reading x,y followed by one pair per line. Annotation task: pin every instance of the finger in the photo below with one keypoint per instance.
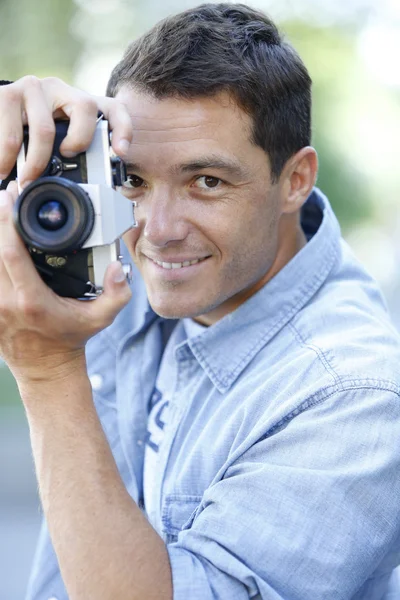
x,y
5,287
120,124
116,295
82,112
13,253
80,108
11,128
5,282
12,189
41,130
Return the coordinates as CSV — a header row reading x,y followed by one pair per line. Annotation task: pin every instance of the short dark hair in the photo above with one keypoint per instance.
x,y
226,47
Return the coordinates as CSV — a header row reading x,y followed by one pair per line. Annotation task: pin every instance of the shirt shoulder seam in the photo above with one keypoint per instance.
x,y
320,354
324,394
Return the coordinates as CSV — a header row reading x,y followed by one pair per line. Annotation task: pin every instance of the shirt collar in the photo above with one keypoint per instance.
x,y
226,348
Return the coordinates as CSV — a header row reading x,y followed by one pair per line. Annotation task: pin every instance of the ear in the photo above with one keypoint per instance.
x,y
298,178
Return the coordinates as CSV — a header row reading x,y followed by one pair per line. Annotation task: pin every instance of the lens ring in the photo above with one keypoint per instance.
x,y
78,206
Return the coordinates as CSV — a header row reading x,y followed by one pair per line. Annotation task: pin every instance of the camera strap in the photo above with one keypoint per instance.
x,y
12,177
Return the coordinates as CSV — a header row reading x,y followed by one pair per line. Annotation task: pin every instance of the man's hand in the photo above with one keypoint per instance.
x,y
41,334
39,331
37,102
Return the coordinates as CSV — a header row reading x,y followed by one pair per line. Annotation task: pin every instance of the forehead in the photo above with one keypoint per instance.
x,y
216,120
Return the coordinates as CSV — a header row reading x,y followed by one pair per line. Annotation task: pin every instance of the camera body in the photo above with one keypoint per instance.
x,y
71,218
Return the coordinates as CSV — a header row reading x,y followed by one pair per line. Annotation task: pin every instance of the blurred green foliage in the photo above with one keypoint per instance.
x,y
38,39
330,56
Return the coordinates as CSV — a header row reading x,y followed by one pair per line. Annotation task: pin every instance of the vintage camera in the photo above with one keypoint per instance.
x,y
71,217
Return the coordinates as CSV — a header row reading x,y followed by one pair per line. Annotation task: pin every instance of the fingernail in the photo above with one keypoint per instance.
x,y
119,275
123,146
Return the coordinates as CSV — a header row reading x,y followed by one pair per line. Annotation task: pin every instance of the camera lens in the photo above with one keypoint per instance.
x,y
52,215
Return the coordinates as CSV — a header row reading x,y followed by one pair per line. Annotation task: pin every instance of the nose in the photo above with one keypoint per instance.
x,y
162,218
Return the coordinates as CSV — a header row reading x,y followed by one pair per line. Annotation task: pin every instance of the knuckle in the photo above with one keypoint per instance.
x,y
52,81
10,93
28,307
30,81
86,104
10,255
11,143
46,130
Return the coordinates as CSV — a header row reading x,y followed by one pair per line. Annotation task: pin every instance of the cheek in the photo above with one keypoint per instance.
x,y
252,238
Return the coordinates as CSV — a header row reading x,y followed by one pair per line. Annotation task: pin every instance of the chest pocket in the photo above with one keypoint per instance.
x,y
178,513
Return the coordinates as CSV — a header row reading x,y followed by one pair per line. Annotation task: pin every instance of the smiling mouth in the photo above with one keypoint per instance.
x,y
178,265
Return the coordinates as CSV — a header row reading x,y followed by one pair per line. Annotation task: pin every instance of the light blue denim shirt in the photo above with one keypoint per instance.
x,y
279,476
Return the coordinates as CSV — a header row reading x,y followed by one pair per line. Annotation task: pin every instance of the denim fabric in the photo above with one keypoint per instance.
x,y
279,476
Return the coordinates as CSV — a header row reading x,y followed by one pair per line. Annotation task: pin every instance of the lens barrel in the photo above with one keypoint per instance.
x,y
54,215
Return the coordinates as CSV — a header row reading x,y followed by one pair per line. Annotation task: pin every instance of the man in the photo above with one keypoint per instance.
x,y
249,388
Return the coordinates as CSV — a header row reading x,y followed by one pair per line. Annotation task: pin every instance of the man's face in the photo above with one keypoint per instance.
x,y
207,212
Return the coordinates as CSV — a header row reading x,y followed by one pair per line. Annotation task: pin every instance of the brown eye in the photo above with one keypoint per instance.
x,y
211,181
208,182
133,181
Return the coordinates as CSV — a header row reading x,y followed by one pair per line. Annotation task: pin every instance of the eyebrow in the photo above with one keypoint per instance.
x,y
199,164
134,166
213,162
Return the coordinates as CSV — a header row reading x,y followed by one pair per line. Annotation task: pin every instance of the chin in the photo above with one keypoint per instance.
x,y
172,312
176,310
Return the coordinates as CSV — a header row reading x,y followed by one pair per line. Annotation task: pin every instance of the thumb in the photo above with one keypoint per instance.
x,y
115,296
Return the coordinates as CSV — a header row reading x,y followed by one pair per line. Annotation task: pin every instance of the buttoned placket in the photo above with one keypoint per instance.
x,y
131,418
135,384
177,409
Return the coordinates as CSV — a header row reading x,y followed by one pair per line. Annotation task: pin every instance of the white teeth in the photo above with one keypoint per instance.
x,y
186,263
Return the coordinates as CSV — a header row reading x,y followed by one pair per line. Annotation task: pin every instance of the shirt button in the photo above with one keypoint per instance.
x,y
140,442
96,382
53,598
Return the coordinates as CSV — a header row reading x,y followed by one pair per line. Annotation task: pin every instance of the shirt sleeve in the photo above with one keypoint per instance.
x,y
311,511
